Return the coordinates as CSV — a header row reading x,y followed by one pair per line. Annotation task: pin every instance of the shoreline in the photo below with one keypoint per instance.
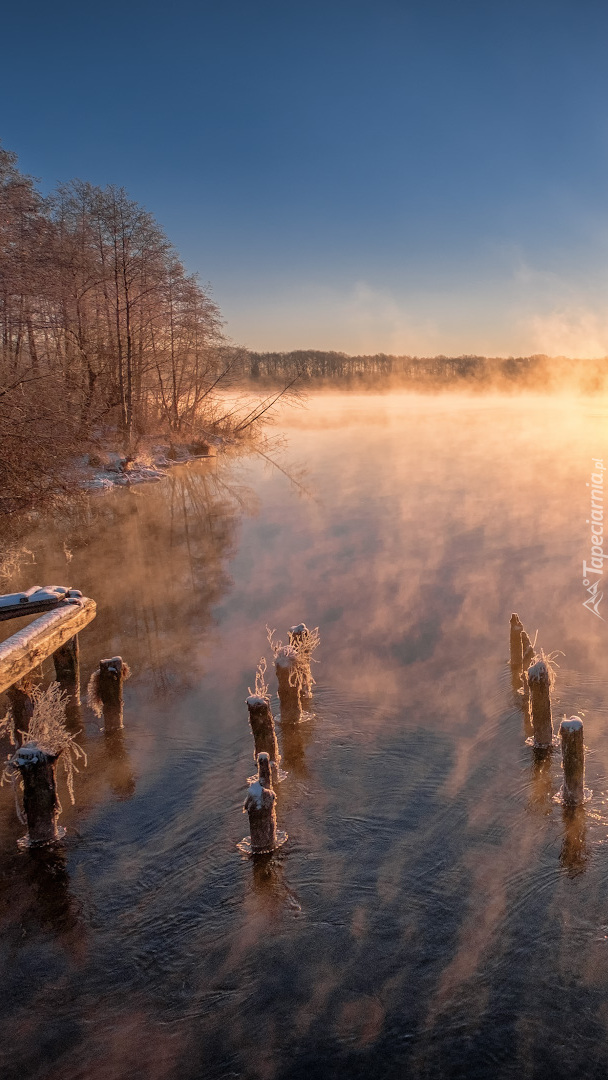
x,y
152,466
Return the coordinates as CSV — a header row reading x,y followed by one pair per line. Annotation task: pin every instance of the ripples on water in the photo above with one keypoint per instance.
x,y
434,912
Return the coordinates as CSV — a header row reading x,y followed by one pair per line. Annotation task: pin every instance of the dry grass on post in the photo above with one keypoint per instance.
x,y
261,721
305,642
292,666
44,742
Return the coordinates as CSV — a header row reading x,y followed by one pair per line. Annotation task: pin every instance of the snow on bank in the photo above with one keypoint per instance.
x,y
112,470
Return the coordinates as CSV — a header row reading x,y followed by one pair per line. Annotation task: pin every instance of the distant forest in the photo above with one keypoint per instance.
x,y
538,372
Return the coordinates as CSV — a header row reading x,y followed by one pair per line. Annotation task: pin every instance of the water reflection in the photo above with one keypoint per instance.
x,y
543,785
36,897
153,560
294,739
574,853
121,775
270,888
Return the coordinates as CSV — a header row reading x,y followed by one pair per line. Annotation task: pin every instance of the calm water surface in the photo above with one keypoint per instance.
x,y
434,913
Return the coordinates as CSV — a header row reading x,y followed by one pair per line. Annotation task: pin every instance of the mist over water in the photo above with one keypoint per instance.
x,y
434,913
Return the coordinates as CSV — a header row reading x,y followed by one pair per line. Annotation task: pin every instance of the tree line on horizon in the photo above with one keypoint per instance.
x,y
314,366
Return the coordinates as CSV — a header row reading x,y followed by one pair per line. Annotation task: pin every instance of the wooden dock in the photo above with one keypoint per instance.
x,y
26,649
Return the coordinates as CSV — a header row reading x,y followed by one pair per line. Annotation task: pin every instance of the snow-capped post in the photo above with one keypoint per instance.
x,y
67,668
264,772
109,683
111,678
573,761
260,806
45,740
289,680
304,641
21,705
261,721
292,666
40,802
515,642
540,681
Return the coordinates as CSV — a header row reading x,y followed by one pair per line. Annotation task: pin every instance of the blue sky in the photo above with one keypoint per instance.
x,y
391,176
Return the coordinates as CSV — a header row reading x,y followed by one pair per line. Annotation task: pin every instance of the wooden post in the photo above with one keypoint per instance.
x,y
527,650
260,806
111,678
40,803
540,680
67,668
289,685
261,721
22,705
264,771
573,761
527,706
515,644
299,635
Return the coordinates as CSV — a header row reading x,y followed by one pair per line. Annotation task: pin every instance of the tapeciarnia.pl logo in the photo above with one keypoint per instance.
x,y
593,570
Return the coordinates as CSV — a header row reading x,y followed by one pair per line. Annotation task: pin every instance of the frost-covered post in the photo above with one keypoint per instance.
x,y
289,680
515,642
573,761
40,802
46,739
540,681
67,668
260,806
261,721
111,677
104,693
304,641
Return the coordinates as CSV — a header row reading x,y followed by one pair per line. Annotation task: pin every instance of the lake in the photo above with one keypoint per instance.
x,y
434,913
